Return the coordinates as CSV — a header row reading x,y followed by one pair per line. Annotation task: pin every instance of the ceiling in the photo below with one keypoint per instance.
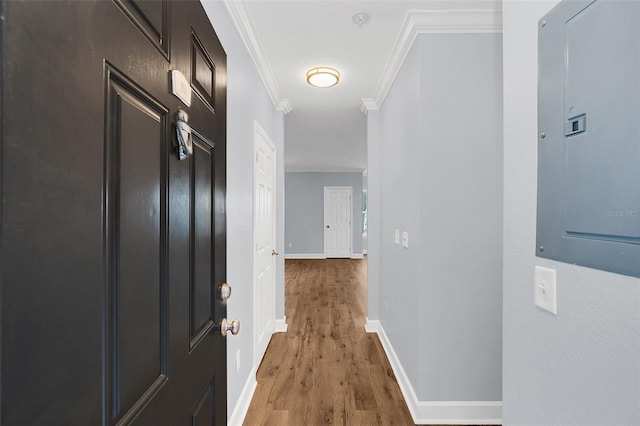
x,y
326,128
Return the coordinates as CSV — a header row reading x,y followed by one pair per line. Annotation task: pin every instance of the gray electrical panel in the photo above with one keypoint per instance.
x,y
589,135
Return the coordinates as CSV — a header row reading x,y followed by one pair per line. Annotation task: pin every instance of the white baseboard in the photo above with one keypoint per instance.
x,y
372,326
242,406
459,412
435,412
280,325
304,256
317,256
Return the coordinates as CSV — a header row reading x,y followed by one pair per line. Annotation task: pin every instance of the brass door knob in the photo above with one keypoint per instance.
x,y
233,327
224,292
274,252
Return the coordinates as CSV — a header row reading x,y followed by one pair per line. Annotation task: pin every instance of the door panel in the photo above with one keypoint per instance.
x,y
202,172
111,247
135,217
203,72
203,413
152,19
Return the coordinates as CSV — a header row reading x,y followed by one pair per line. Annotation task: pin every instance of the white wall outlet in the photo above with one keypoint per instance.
x,y
544,289
397,236
238,360
290,245
405,239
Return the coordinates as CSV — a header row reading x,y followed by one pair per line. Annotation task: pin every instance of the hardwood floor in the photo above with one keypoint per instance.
x,y
326,370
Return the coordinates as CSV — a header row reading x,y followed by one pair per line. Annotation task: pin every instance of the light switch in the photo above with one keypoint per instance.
x,y
544,289
397,236
405,239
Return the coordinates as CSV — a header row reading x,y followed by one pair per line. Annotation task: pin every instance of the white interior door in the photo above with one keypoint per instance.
x,y
337,221
264,292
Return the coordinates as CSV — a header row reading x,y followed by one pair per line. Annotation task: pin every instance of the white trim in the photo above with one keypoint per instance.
x,y
435,412
304,256
372,326
242,405
284,105
242,20
430,22
280,325
369,104
260,344
357,256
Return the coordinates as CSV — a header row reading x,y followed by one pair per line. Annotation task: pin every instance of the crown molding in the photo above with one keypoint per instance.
x,y
430,22
242,20
284,105
368,104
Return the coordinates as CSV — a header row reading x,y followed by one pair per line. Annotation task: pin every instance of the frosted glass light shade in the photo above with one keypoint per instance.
x,y
323,77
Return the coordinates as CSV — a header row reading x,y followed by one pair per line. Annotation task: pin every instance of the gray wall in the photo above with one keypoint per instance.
x,y
247,101
304,210
581,367
461,217
435,152
400,271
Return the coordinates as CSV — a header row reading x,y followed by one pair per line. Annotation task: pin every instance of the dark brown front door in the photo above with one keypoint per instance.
x,y
112,249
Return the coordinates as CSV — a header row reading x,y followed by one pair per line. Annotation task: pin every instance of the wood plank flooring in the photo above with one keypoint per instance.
x,y
326,370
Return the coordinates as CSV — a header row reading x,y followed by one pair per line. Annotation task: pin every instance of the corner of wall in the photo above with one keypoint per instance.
x,y
435,412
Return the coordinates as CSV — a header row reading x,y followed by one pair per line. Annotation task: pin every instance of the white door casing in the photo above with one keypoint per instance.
x,y
337,221
264,283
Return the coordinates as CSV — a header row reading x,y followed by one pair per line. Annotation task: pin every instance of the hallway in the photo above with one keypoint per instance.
x,y
326,369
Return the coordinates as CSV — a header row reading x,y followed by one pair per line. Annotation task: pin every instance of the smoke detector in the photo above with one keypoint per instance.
x,y
360,18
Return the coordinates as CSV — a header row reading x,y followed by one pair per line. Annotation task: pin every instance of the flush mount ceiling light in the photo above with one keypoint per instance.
x,y
323,77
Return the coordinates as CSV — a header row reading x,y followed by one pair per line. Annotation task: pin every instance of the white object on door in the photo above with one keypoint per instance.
x,y
264,283
337,221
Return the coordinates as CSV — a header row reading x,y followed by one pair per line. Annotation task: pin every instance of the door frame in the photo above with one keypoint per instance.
x,y
259,132
324,207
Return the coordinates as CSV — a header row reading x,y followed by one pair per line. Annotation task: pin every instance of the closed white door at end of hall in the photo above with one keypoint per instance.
x,y
337,220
